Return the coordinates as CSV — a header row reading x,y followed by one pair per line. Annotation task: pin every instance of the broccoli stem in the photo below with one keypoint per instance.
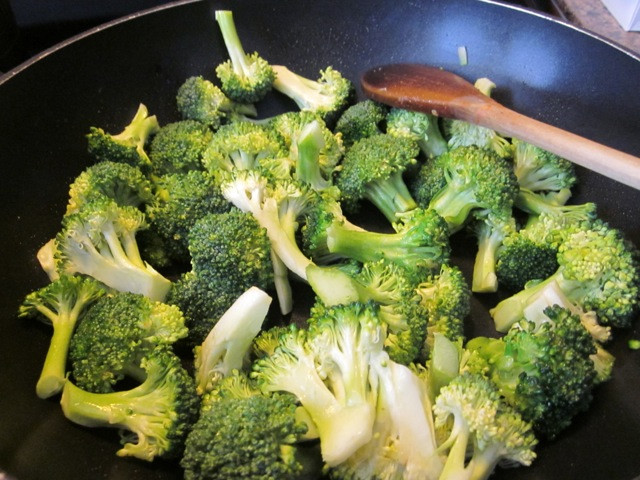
x,y
454,205
391,196
310,143
484,279
282,284
535,204
232,41
53,374
304,92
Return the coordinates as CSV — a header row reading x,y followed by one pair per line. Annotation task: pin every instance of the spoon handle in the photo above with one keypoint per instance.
x,y
607,161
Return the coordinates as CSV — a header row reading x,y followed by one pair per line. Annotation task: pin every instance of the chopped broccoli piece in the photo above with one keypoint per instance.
x,y
244,78
158,413
199,99
115,333
178,147
127,146
421,127
360,120
60,304
100,241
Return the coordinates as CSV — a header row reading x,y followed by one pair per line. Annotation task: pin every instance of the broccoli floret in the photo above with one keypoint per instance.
x,y
463,180
309,145
125,184
100,241
484,431
447,298
59,304
490,229
420,243
327,369
598,270
158,413
276,206
421,127
199,99
227,345
327,96
178,147
372,169
460,133
244,78
543,370
403,443
289,125
244,434
127,146
179,201
240,145
115,333
360,120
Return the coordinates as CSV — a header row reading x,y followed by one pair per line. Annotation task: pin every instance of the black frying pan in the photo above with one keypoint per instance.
x,y
542,67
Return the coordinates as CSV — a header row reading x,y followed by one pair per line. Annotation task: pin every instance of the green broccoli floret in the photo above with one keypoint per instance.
x,y
598,270
228,344
178,147
362,119
240,145
372,169
244,78
179,201
403,443
124,183
127,146
447,298
484,431
327,96
327,369
490,229
242,433
199,99
115,333
463,180
309,169
59,304
421,127
100,241
544,371
158,413
460,133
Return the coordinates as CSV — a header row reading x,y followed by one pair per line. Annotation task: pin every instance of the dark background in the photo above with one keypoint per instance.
x,y
28,27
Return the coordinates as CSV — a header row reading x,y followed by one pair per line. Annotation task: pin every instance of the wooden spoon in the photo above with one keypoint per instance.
x,y
439,92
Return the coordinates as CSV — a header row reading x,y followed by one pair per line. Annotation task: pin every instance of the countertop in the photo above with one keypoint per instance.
x,y
592,15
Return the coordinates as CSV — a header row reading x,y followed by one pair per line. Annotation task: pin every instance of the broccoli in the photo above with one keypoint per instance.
x,y
199,99
491,229
446,296
598,270
100,241
179,201
309,145
244,78
115,333
360,120
543,370
463,180
178,147
482,427
460,133
327,96
158,412
327,368
127,146
124,183
227,345
289,126
240,145
421,127
276,206
372,169
61,304
242,433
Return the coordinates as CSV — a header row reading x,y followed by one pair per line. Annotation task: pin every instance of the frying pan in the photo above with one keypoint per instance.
x,y
543,68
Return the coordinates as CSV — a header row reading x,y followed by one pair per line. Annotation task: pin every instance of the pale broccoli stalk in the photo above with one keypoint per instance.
x,y
225,348
310,143
60,304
